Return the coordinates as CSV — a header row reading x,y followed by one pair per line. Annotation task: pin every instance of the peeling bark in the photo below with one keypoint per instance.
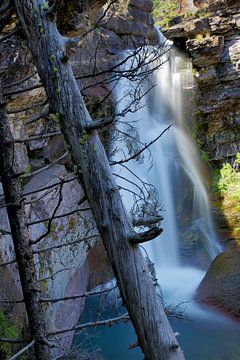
x,y
155,335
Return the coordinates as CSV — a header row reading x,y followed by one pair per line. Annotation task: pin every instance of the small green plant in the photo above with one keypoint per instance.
x,y
205,157
7,330
45,6
58,90
226,181
226,177
238,158
164,11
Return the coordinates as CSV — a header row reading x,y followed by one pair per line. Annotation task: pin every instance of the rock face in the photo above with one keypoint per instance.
x,y
212,41
220,287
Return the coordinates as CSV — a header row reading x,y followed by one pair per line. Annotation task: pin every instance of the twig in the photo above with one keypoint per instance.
x,y
9,34
38,251
19,81
23,350
12,341
140,151
45,167
8,263
51,218
20,91
28,107
140,238
58,216
77,296
50,186
38,137
39,115
109,322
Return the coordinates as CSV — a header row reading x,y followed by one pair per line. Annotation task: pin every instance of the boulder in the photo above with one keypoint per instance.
x,y
220,288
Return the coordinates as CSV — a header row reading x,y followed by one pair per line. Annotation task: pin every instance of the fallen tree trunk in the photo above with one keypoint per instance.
x,y
17,219
155,335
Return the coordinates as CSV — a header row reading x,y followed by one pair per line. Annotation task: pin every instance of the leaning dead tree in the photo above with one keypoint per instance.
x,y
24,255
145,309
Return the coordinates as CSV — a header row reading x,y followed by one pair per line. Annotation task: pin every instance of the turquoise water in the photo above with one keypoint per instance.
x,y
207,336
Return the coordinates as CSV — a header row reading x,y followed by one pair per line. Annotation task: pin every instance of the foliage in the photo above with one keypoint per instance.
x,y
237,160
164,11
226,182
7,330
226,179
205,157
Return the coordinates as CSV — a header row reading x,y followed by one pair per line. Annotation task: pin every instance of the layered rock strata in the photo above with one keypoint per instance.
x,y
212,40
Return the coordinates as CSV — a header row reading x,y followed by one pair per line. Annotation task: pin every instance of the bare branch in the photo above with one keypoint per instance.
x,y
109,322
77,296
38,137
8,263
12,301
12,341
20,91
39,115
70,243
27,107
58,216
19,82
51,186
5,37
23,350
145,236
98,124
146,221
45,167
142,150
51,218
54,8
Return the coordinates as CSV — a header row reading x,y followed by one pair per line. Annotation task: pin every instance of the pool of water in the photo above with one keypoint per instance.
x,y
204,335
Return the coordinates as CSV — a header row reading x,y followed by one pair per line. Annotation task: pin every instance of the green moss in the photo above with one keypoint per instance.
x,y
72,224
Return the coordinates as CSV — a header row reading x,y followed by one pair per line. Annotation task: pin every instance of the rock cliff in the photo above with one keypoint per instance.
x,y
212,40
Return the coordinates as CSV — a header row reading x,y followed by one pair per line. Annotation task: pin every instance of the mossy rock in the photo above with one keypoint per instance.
x,y
220,288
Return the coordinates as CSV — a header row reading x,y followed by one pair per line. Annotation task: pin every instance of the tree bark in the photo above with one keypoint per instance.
x,y
17,219
155,335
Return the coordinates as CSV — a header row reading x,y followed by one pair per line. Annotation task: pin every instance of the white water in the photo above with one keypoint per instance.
x,y
175,172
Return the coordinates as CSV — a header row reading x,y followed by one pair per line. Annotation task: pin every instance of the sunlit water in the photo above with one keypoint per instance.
x,y
173,167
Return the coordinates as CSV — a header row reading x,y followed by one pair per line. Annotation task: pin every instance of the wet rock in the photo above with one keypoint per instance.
x,y
220,287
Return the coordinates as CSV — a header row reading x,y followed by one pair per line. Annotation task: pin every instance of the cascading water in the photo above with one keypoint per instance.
x,y
175,163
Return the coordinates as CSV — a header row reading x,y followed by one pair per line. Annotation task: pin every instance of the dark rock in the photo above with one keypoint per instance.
x,y
213,43
206,52
220,287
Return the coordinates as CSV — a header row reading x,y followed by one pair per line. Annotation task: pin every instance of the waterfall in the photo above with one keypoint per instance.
x,y
173,166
